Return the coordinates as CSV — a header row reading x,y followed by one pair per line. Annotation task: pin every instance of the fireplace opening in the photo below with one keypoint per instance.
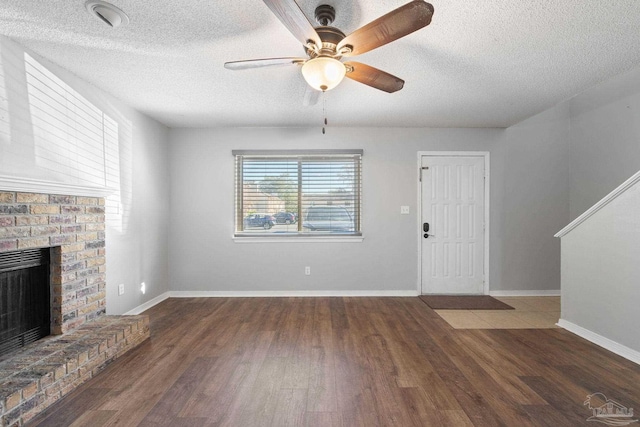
x,y
25,307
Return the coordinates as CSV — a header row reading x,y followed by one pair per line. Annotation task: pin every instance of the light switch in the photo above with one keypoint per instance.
x,y
404,210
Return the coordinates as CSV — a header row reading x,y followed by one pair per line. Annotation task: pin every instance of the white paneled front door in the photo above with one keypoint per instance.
x,y
453,206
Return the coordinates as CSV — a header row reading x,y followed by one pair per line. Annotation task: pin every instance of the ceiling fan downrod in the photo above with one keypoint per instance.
x,y
325,15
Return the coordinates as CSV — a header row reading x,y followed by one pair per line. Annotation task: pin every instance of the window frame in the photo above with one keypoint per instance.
x,y
298,156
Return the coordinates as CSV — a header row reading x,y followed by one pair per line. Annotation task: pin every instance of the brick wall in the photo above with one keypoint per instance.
x,y
74,228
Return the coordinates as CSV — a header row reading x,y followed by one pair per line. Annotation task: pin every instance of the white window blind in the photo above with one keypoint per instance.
x,y
286,193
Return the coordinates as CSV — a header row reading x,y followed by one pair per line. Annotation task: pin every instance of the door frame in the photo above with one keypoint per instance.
x,y
487,199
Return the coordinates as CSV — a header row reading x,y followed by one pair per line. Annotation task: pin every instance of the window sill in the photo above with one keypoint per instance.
x,y
303,239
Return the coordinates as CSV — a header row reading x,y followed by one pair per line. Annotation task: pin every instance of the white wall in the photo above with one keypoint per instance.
x,y
205,258
136,236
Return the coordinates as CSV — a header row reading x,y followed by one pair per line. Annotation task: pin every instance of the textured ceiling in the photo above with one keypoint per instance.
x,y
479,64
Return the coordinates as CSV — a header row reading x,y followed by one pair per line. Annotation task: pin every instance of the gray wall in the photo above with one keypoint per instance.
x,y
136,247
600,273
605,139
138,250
205,258
600,269
557,165
536,200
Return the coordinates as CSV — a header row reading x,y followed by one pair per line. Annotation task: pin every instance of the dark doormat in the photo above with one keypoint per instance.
x,y
464,302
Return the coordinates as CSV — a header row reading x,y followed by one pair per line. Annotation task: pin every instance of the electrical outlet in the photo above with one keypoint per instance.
x,y
307,271
404,210
143,288
121,289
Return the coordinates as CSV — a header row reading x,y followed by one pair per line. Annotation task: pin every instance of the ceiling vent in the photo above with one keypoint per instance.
x,y
107,13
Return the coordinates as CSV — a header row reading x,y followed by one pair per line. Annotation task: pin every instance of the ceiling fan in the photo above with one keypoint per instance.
x,y
326,46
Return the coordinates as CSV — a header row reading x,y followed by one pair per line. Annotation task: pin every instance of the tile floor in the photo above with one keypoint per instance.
x,y
529,313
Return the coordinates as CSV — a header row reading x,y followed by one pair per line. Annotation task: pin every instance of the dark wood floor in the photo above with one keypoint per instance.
x,y
343,362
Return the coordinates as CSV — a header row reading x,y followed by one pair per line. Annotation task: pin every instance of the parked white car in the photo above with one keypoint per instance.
x,y
328,218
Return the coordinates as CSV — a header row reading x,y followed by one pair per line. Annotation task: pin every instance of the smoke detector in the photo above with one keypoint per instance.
x,y
107,13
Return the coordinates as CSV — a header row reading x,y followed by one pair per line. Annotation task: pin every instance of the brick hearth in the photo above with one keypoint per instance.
x,y
83,338
36,377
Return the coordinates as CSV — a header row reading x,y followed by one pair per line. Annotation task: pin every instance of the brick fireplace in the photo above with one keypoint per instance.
x,y
73,227
84,339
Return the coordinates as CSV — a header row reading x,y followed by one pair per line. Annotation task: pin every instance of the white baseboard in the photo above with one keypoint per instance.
x,y
606,343
262,294
249,294
147,305
529,293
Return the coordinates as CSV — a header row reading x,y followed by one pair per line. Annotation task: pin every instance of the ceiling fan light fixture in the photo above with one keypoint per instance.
x,y
323,73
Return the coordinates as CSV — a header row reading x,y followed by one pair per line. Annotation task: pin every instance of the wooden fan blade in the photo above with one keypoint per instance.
x,y
259,63
392,26
373,77
292,17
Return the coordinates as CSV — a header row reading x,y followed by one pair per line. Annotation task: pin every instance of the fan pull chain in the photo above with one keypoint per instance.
x,y
324,110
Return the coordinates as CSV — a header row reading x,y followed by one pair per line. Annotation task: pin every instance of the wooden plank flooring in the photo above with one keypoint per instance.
x,y
342,362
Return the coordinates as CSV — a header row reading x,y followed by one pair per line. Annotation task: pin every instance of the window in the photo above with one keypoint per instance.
x,y
298,193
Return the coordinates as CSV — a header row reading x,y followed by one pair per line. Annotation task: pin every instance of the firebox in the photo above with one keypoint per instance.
x,y
24,298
